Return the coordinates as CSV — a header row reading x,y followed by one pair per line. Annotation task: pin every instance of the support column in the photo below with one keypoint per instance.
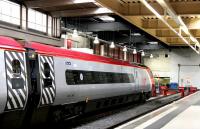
x,y
24,18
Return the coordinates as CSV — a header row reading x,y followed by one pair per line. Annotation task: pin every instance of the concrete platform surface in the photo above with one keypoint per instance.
x,y
181,114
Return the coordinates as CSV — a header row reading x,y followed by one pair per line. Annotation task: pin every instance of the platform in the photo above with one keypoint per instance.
x,y
182,114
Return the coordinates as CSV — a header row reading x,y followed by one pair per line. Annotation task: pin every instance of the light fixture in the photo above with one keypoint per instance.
x,y
125,49
136,34
142,54
83,1
112,45
103,11
96,40
153,42
106,18
134,51
151,56
75,33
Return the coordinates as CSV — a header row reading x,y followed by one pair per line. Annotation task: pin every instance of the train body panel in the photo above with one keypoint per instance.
x,y
14,84
16,77
3,91
47,80
64,80
66,94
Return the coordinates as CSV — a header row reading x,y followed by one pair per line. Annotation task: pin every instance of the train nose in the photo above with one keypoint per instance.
x,y
3,85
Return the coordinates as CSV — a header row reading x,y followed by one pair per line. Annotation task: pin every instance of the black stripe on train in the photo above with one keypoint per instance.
x,y
16,80
47,80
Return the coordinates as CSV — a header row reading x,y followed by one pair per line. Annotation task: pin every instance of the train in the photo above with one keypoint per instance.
x,y
41,82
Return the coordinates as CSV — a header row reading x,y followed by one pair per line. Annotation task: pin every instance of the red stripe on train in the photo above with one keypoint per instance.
x,y
11,44
55,51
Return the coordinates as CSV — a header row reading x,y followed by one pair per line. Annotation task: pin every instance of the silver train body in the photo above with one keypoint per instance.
x,y
75,93
63,78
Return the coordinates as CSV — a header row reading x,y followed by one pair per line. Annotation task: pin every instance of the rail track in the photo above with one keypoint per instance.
x,y
111,118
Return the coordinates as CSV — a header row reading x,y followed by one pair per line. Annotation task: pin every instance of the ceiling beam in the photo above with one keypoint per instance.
x,y
180,7
168,33
53,3
120,9
191,23
81,12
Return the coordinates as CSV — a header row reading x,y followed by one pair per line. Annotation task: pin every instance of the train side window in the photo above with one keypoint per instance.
x,y
16,68
69,77
125,78
116,78
97,78
47,80
109,77
88,78
46,70
76,77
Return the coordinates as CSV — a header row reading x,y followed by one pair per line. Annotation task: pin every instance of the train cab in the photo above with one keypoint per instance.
x,y
13,82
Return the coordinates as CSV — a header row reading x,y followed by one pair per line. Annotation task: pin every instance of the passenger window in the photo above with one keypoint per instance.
x,y
69,77
16,68
46,70
47,80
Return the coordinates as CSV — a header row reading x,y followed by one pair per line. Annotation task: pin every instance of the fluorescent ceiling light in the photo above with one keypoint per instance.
x,y
103,11
96,40
153,42
136,34
83,1
106,18
112,45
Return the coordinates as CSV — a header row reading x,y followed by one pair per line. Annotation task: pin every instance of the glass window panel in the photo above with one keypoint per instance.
x,y
9,12
49,25
97,77
31,16
37,18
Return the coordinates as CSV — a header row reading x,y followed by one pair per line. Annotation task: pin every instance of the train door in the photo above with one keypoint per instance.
x,y
47,80
16,79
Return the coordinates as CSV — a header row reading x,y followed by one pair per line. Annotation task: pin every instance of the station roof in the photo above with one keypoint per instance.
x,y
174,22
168,20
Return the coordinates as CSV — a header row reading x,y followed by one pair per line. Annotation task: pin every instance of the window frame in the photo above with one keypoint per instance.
x,y
19,69
72,77
8,23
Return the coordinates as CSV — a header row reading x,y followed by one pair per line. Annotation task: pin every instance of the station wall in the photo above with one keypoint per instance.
x,y
168,66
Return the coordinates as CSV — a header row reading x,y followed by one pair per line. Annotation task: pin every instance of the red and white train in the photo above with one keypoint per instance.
x,y
40,79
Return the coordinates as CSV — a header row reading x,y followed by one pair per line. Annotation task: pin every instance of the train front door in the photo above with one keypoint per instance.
x,y
16,79
47,80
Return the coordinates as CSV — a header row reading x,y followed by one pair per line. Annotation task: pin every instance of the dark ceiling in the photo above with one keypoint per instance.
x,y
119,31
84,16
